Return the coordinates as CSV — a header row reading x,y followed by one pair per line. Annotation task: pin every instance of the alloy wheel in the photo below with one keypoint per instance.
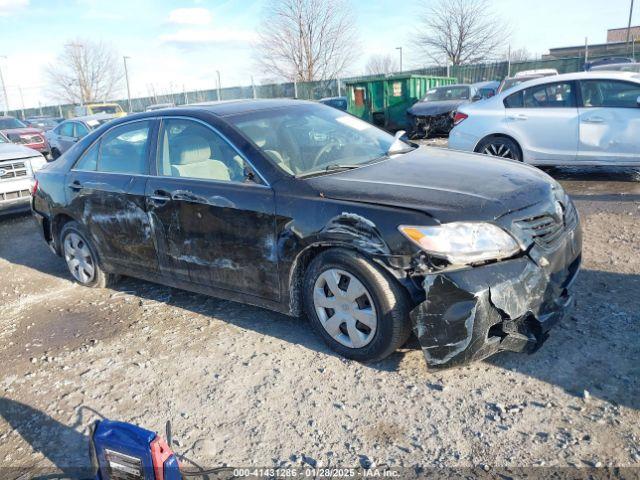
x,y
498,150
79,258
345,308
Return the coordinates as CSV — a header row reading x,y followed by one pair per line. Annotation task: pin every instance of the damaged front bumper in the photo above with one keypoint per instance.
x,y
470,314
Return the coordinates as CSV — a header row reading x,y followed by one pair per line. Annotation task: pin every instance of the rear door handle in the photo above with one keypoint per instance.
x,y
75,185
520,116
593,120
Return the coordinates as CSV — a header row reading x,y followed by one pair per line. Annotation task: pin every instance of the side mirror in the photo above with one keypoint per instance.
x,y
638,101
400,135
476,97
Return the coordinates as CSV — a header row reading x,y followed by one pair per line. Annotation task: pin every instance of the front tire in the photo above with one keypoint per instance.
x,y
501,147
358,309
81,258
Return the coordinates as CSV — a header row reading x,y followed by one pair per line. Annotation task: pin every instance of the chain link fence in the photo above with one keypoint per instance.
x,y
320,89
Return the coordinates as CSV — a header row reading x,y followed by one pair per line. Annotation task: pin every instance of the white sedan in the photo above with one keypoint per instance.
x,y
586,118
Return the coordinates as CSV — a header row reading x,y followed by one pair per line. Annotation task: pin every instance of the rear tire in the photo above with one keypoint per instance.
x,y
81,258
501,147
358,309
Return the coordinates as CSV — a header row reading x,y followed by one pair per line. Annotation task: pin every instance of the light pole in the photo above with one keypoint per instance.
x,y
629,25
219,84
126,76
4,89
400,50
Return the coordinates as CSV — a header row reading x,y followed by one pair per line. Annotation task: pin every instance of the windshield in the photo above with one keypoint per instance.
x,y
9,123
43,122
622,67
447,93
309,139
106,109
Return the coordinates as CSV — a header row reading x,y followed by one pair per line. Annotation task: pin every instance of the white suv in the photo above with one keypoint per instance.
x,y
586,118
17,165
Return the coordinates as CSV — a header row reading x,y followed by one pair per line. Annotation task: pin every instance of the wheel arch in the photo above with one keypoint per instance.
x,y
58,221
308,254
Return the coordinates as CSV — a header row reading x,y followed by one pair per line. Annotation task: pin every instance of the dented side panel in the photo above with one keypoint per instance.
x,y
112,207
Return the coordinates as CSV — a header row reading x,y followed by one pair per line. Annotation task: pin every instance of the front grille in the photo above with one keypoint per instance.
x,y
14,195
13,170
547,229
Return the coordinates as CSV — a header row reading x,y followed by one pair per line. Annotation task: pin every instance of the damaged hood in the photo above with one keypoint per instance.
x,y
11,151
445,184
435,108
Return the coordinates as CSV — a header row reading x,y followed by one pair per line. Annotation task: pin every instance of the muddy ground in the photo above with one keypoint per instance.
x,y
245,386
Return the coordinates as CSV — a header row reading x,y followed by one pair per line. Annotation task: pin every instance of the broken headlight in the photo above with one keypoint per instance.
x,y
462,243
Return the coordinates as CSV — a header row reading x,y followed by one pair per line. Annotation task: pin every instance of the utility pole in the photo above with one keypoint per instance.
x,y
400,49
253,88
4,89
586,49
21,101
126,76
219,85
509,61
629,25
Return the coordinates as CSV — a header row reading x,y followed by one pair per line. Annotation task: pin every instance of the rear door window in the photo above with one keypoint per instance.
x,y
124,149
550,95
66,129
80,130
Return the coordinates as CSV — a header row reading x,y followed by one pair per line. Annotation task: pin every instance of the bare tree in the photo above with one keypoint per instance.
x,y
460,32
520,55
306,40
85,71
381,64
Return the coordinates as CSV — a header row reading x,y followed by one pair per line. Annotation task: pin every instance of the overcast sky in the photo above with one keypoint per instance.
x,y
174,43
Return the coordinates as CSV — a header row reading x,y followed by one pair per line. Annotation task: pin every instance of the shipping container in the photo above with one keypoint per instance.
x,y
384,100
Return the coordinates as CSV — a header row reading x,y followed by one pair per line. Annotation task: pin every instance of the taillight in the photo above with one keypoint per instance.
x,y
34,187
459,118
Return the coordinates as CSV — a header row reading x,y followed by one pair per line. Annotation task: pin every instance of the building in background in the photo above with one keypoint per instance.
x,y
616,46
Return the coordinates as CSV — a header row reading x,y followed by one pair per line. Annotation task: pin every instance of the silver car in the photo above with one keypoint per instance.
x,y
65,135
17,166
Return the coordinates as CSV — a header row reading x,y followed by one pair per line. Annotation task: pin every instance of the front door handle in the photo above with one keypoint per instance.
x,y
593,120
160,197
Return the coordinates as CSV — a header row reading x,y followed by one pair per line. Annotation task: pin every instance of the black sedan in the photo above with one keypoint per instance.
x,y
434,114
301,208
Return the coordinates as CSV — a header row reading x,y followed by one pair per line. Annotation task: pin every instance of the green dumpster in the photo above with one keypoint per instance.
x,y
384,100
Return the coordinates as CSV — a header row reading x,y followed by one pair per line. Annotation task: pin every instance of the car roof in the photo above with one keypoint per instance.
x,y
488,83
333,98
234,107
565,77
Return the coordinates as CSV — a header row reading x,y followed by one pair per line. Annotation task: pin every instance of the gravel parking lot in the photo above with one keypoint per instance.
x,y
245,386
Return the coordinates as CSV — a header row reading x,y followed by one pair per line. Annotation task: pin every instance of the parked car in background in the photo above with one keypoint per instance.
x,y
18,132
434,114
69,132
159,106
487,89
43,123
17,166
299,207
525,76
336,102
97,108
617,67
586,118
603,62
